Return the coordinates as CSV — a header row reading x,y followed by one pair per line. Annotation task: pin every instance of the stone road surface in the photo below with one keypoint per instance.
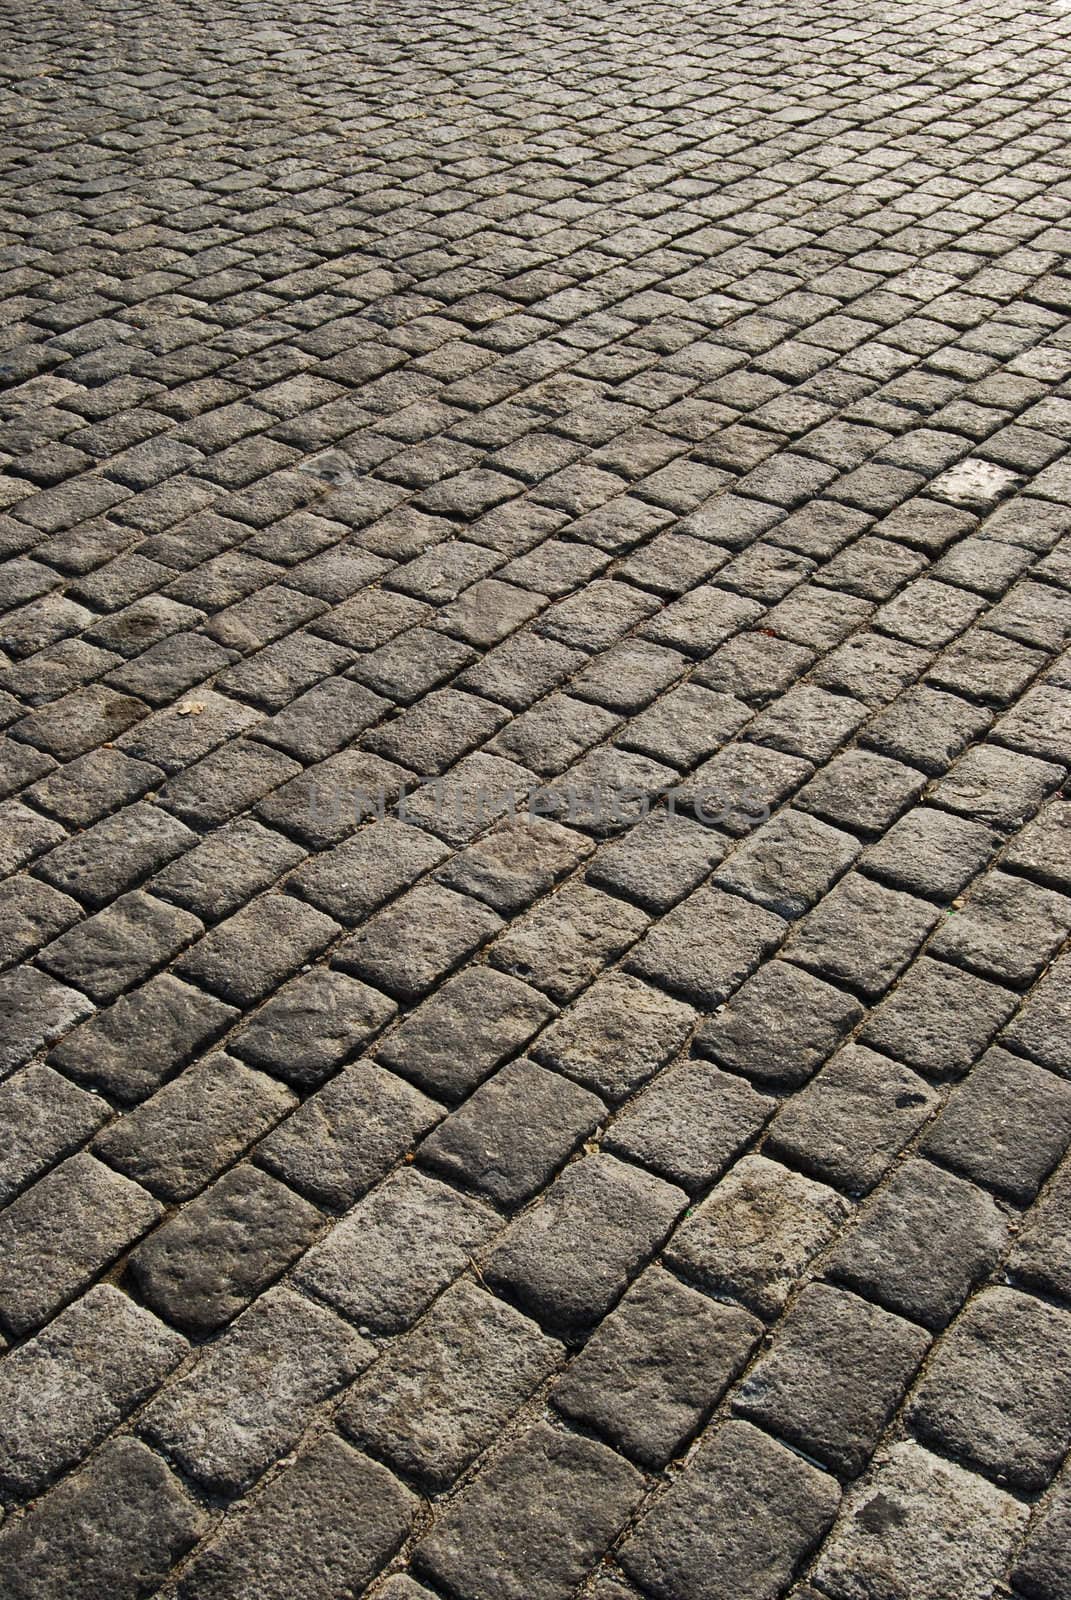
x,y
658,415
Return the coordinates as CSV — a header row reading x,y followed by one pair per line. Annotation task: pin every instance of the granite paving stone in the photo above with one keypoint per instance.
x,y
535,721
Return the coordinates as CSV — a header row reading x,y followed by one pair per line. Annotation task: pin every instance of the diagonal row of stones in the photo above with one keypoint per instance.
x,y
670,1202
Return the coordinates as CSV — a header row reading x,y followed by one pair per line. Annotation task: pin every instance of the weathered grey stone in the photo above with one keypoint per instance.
x,y
61,1233
615,1036
120,945
444,1390
779,1026
64,1390
42,1119
834,1374
689,1124
861,935
183,1137
739,1520
657,862
705,947
997,1393
788,863
130,1048
755,1234
326,1524
109,1532
35,1012
534,1522
243,958
386,1261
348,1135
215,1255
252,1392
563,943
570,1258
1042,1564
460,1034
411,945
921,1243
938,1019
310,1026
656,1367
849,1124
919,1528
1012,1154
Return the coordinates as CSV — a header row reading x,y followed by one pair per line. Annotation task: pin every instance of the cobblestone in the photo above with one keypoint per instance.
x,y
536,702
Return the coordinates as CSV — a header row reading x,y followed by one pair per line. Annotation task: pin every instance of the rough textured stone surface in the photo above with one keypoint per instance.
x,y
112,1529
210,1259
332,1509
535,712
997,1394
535,1522
921,1243
834,1374
64,1390
59,1234
759,1203
251,1392
445,1390
392,1255
741,1518
570,1258
920,1528
656,1367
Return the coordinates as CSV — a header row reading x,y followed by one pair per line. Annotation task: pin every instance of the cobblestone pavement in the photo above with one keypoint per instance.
x,y
658,414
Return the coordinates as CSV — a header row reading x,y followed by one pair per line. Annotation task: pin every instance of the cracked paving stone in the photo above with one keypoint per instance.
x,y
740,1519
534,1523
656,1367
445,1390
